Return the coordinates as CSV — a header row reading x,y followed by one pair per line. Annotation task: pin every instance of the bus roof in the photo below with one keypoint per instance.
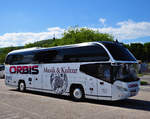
x,y
115,50
25,50
37,49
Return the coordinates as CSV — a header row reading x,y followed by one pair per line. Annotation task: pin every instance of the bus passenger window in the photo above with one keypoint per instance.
x,y
47,56
85,54
15,59
101,71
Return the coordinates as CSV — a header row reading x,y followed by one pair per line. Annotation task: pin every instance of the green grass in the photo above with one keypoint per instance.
x,y
144,83
140,75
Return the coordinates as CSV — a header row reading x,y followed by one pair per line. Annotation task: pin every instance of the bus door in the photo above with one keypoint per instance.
x,y
104,82
104,89
101,72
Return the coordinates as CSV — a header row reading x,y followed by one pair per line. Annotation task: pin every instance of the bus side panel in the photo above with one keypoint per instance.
x,y
90,85
98,76
11,79
59,77
30,74
34,79
104,90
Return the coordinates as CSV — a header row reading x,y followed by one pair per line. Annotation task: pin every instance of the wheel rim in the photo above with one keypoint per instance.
x,y
22,86
77,93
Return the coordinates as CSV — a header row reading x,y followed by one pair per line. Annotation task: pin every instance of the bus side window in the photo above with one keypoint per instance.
x,y
22,58
85,54
47,56
8,59
101,71
92,53
27,59
14,59
69,55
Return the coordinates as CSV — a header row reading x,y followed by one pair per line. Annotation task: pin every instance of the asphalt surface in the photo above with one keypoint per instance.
x,y
35,105
146,78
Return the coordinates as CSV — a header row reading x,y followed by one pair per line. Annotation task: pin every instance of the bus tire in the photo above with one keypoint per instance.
x,y
77,93
21,86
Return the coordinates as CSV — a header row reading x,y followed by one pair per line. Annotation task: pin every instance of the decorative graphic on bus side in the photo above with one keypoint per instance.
x,y
58,78
59,82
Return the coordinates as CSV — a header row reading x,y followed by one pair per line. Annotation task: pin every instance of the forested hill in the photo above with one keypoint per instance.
x,y
73,36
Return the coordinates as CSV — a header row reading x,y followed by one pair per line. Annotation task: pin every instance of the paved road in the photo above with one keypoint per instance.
x,y
146,78
34,105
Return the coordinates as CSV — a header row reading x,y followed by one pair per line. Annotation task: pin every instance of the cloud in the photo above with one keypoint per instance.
x,y
128,30
123,31
102,21
19,39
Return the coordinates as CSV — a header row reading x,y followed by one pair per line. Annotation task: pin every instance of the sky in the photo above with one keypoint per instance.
x,y
28,21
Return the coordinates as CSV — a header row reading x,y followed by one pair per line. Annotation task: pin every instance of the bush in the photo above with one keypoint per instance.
x,y
144,83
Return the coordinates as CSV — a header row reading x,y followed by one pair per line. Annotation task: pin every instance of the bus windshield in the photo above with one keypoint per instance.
x,y
125,72
119,52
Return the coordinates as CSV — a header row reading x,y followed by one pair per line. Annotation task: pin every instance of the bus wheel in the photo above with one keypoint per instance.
x,y
77,94
22,86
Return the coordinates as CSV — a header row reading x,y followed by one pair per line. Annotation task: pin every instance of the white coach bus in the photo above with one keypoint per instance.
x,y
95,70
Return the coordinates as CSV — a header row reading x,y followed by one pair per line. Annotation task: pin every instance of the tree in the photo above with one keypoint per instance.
x,y
147,51
73,36
5,51
138,51
79,35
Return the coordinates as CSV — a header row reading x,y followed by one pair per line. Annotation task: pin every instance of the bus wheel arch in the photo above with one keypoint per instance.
x,y
21,85
77,92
